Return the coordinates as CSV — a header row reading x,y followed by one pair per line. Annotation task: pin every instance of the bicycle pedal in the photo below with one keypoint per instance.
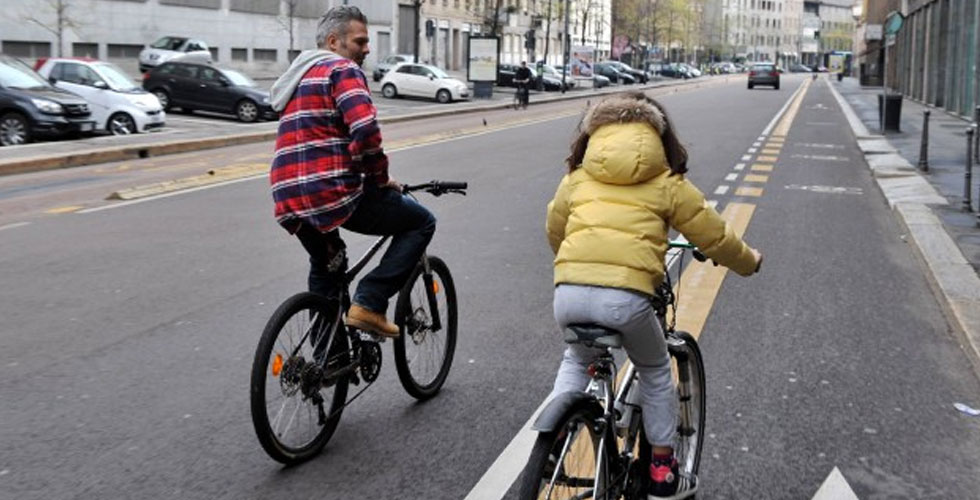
x,y
371,337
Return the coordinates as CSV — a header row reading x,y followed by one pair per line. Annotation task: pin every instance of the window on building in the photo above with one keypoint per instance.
x,y
239,55
214,53
85,50
264,55
293,54
123,51
29,50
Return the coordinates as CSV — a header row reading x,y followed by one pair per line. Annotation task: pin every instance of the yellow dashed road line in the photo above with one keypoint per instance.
x,y
748,191
761,167
64,210
756,178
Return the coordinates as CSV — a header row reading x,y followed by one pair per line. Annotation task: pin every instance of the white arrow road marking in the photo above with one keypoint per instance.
x,y
826,189
822,157
820,146
835,487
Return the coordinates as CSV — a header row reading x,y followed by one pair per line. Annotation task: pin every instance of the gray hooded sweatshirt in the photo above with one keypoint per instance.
x,y
282,91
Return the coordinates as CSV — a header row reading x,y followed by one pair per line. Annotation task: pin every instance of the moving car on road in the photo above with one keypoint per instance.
x,y
622,67
423,80
31,107
764,73
208,88
118,105
173,48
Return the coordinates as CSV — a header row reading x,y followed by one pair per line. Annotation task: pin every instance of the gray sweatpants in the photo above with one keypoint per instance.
x,y
631,314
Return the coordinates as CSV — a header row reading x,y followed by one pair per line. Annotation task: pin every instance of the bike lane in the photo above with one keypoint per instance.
x,y
837,354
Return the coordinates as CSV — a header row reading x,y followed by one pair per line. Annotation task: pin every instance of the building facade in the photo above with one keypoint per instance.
x,y
249,35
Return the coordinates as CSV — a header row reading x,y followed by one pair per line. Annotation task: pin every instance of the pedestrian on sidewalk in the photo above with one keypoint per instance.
x,y
607,226
330,171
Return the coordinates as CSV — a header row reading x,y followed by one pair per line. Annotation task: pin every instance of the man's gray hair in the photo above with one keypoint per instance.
x,y
336,21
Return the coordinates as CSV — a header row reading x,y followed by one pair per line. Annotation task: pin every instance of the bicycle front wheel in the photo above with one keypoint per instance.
x,y
567,463
423,352
299,379
689,373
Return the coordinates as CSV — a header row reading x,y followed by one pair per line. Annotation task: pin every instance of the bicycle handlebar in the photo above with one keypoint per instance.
x,y
437,188
698,255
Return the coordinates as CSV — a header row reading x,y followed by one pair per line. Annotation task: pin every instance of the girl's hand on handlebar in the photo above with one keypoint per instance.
x,y
758,259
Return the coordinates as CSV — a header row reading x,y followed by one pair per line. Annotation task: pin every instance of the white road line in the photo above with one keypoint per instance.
x,y
259,176
756,144
712,204
752,150
731,177
168,195
739,166
722,189
781,111
835,487
14,225
746,157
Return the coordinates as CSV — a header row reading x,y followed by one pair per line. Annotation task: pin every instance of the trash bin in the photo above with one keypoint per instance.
x,y
893,104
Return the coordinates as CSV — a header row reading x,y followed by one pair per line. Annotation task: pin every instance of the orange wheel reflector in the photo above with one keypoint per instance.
x,y
277,365
435,286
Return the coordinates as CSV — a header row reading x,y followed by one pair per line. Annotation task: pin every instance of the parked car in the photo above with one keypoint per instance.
x,y
173,48
799,68
388,63
118,105
423,80
613,74
31,107
675,70
208,88
764,73
599,81
550,73
622,67
691,70
819,68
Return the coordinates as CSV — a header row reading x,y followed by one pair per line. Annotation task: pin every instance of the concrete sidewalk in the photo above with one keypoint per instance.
x,y
72,153
929,204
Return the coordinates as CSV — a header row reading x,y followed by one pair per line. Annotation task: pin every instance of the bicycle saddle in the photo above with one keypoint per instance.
x,y
593,335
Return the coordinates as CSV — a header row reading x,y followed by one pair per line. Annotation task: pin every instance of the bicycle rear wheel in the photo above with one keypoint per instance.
x,y
423,354
297,396
566,463
689,373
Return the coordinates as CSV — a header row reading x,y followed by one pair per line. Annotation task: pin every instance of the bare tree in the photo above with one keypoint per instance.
x,y
63,19
287,20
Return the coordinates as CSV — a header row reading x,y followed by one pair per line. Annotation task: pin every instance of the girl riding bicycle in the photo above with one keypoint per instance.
x,y
608,226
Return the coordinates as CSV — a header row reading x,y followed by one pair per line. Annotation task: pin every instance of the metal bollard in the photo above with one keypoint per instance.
x,y
968,181
924,145
976,137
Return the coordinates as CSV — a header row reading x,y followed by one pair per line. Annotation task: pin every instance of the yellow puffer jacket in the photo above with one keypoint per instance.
x,y
609,219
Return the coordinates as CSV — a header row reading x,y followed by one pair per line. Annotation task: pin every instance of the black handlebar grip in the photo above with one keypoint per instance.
x,y
453,185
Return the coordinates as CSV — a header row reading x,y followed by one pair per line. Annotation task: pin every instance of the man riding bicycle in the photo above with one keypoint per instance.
x,y
522,78
330,171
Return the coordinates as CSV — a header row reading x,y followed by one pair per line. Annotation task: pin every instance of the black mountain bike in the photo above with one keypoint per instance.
x,y
307,358
522,95
591,444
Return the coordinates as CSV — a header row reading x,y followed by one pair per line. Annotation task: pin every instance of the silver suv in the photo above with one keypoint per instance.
x,y
764,74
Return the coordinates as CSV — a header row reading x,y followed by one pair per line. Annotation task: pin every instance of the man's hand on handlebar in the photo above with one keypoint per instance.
x,y
393,184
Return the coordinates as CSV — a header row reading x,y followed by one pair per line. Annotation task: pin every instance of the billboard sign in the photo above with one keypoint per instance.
x,y
582,60
482,63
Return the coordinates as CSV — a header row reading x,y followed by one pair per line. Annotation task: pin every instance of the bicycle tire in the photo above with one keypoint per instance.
x,y
303,306
413,319
517,101
691,411
539,473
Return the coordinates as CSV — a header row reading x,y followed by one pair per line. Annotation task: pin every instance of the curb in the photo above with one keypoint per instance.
x,y
951,277
121,153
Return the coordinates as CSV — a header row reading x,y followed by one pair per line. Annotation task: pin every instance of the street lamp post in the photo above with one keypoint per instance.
x,y
565,48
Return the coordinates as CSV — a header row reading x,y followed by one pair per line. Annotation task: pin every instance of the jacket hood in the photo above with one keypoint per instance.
x,y
282,90
624,141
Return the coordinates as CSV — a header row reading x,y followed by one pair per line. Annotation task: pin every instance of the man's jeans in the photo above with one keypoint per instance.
x,y
379,212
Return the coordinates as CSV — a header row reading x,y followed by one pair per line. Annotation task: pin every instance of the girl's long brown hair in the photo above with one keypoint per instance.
x,y
675,151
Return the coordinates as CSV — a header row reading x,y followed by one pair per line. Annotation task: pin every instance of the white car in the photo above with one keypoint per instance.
x,y
423,80
173,48
117,102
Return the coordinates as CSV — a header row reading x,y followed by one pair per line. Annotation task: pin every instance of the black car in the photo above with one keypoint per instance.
x,y
30,106
622,67
190,87
613,74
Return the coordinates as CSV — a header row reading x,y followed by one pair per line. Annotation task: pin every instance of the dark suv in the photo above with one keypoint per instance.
x,y
31,107
208,88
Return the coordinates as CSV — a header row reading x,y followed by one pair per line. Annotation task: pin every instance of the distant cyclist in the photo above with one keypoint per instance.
x,y
522,78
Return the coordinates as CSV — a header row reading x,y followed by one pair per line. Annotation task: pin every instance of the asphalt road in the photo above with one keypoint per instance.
x,y
126,334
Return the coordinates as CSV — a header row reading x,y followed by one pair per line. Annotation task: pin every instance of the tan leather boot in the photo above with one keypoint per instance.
x,y
370,321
